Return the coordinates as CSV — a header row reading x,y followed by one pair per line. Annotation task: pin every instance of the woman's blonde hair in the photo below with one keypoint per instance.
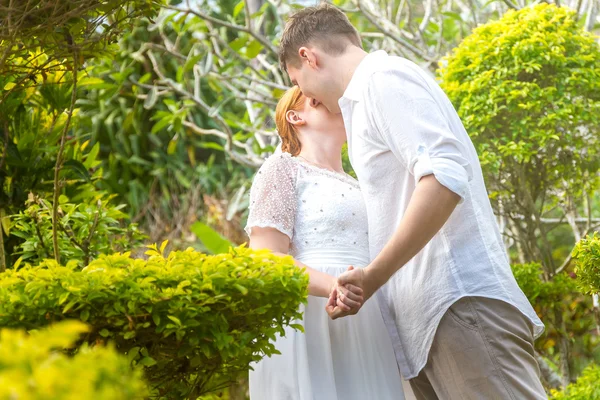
x,y
292,100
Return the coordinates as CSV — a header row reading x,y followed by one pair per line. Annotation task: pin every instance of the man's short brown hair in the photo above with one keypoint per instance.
x,y
324,25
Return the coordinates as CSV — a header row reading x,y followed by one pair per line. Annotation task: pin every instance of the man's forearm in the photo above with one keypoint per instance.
x,y
428,210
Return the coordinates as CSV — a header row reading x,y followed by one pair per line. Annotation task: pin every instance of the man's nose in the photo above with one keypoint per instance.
x,y
314,103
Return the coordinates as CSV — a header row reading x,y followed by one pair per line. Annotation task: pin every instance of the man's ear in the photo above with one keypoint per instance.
x,y
308,56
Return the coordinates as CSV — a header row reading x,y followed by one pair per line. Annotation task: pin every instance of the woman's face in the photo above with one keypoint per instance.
x,y
318,119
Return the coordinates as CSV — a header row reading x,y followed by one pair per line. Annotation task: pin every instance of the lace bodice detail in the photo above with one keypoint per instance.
x,y
316,208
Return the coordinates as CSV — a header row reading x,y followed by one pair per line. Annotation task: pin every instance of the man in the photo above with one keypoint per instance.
x,y
461,327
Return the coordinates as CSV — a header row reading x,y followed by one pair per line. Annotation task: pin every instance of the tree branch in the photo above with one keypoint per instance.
x,y
264,41
59,160
392,36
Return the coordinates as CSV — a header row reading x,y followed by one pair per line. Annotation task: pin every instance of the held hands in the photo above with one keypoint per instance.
x,y
349,294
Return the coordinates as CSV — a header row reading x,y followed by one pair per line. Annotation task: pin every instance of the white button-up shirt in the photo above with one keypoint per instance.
x,y
401,126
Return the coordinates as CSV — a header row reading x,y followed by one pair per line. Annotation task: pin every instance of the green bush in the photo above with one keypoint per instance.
x,y
545,294
527,88
194,321
87,228
34,366
587,258
564,311
587,386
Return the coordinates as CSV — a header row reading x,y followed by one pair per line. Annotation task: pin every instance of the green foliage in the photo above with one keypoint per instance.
x,y
150,152
527,88
587,258
346,161
31,121
89,222
563,309
544,294
45,43
194,321
63,30
87,228
34,366
587,386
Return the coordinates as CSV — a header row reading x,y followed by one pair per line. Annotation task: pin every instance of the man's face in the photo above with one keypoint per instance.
x,y
314,84
305,78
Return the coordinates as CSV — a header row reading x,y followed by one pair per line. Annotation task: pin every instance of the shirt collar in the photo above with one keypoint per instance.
x,y
363,71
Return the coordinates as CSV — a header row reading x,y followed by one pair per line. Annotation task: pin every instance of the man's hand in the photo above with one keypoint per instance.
x,y
342,301
352,296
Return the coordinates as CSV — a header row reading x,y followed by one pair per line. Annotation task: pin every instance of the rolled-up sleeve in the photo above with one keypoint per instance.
x,y
410,122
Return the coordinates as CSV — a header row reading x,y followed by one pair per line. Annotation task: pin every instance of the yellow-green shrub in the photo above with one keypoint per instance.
x,y
527,88
587,386
587,258
34,366
194,321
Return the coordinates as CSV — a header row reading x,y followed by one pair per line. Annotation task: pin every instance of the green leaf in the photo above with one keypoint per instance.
x,y
238,8
92,81
238,43
147,362
161,124
90,159
214,242
211,145
133,353
191,61
63,297
174,319
69,306
78,168
151,98
253,49
241,288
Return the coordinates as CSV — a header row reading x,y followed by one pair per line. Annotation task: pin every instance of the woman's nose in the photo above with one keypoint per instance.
x,y
314,103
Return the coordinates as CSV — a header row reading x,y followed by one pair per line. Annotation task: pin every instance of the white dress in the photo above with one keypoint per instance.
x,y
350,358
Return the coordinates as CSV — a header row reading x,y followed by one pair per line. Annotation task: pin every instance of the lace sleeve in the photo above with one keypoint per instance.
x,y
273,196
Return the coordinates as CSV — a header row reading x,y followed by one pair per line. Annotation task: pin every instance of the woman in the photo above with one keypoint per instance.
x,y
303,204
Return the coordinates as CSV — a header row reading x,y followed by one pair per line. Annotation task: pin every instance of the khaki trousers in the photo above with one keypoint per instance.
x,y
483,349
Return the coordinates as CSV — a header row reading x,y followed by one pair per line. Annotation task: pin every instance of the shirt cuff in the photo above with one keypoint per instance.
x,y
448,172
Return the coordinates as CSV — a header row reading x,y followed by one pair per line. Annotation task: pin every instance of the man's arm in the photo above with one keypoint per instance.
x,y
409,121
428,210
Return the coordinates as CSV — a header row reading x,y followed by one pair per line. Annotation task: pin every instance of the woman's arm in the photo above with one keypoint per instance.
x,y
320,284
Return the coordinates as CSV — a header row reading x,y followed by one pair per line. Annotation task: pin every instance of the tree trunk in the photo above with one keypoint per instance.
x,y
564,348
549,377
2,255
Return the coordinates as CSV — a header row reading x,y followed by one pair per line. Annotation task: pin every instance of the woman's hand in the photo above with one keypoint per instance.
x,y
344,299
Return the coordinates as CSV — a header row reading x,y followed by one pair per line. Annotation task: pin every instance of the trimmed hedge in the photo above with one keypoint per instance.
x,y
193,321
33,366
